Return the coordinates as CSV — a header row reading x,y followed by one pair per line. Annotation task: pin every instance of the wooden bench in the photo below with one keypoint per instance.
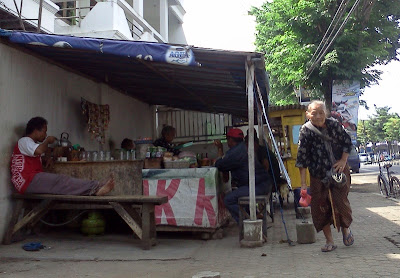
x,y
142,225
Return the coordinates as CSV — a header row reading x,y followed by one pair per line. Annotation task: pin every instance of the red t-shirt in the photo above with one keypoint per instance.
x,y
24,164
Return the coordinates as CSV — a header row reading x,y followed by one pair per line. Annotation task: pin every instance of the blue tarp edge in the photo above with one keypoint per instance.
x,y
157,52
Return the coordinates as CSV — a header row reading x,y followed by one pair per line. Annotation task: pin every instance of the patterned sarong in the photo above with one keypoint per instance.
x,y
321,209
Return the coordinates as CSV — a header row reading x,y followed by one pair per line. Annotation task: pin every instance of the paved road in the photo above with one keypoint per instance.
x,y
375,253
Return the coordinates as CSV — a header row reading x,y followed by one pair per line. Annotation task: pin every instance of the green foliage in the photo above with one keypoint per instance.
x,y
289,32
392,129
382,126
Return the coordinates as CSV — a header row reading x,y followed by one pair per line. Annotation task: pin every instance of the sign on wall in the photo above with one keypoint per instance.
x,y
345,102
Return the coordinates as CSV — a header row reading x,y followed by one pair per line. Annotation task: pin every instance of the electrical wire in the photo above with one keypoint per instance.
x,y
325,40
333,39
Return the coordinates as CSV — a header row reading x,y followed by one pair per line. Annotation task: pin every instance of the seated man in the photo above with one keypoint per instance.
x,y
236,161
27,173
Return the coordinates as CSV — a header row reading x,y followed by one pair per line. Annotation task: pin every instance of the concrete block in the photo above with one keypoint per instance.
x,y
304,211
252,233
305,232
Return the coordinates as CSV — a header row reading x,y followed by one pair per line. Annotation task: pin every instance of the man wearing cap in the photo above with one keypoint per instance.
x,y
236,161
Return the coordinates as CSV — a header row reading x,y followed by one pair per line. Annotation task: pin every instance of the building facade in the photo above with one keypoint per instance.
x,y
140,20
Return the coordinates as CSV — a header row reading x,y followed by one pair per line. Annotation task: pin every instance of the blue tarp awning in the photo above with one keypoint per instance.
x,y
180,76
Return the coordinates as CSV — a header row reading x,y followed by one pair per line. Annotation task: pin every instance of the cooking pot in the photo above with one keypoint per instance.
x,y
64,142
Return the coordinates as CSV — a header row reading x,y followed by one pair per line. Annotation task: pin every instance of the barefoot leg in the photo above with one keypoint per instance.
x,y
107,187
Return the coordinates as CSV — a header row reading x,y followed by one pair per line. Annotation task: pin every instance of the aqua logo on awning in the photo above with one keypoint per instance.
x,y
179,55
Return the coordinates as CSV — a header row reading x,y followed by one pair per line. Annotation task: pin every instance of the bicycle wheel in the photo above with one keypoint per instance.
x,y
395,186
383,186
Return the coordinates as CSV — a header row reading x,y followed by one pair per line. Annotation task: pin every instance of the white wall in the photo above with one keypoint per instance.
x,y
151,13
176,32
30,87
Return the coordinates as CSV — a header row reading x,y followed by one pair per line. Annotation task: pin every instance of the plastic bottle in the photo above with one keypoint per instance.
x,y
148,152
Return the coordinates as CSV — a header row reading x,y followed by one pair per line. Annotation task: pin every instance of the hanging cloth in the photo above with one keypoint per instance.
x,y
97,118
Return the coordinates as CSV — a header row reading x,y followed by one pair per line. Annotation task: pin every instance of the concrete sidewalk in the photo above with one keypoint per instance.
x,y
375,253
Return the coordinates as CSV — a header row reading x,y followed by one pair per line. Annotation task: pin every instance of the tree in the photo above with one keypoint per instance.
x,y
392,129
382,126
362,136
289,32
377,123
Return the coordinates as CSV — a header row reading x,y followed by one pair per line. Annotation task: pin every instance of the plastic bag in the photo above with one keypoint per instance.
x,y
305,198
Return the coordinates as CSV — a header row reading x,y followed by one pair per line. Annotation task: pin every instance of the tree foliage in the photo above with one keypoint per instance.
x,y
392,129
289,32
382,126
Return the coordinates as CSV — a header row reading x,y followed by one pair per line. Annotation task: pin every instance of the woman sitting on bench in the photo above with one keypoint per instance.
x,y
27,173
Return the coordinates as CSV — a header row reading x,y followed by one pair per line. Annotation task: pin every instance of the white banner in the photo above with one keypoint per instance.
x,y
193,201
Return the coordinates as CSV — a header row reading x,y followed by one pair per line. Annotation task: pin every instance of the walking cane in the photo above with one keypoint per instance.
x,y
333,209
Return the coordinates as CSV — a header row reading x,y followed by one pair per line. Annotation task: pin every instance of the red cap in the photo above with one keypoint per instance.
x,y
235,133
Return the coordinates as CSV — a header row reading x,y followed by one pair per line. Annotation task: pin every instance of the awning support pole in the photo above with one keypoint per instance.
x,y
252,228
250,97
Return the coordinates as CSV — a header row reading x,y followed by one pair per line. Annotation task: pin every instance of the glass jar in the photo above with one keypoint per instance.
x,y
108,156
94,156
88,156
101,156
82,156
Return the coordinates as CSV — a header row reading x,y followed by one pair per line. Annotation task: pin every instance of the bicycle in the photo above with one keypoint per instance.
x,y
390,184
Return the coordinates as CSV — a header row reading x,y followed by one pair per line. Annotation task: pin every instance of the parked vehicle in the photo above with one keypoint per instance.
x,y
354,161
364,158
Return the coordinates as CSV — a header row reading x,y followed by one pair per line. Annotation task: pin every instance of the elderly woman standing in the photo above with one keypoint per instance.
x,y
313,155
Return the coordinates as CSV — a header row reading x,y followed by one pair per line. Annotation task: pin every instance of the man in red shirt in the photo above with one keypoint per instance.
x,y
27,173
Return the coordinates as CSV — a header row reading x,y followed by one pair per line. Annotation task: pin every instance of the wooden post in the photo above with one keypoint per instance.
x,y
250,96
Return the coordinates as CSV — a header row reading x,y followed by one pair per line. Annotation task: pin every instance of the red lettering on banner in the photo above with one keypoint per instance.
x,y
146,187
170,192
204,202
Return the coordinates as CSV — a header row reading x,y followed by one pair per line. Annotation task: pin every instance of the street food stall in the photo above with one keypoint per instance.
x,y
180,76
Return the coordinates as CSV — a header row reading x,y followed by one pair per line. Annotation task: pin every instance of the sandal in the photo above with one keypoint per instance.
x,y
328,247
349,239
